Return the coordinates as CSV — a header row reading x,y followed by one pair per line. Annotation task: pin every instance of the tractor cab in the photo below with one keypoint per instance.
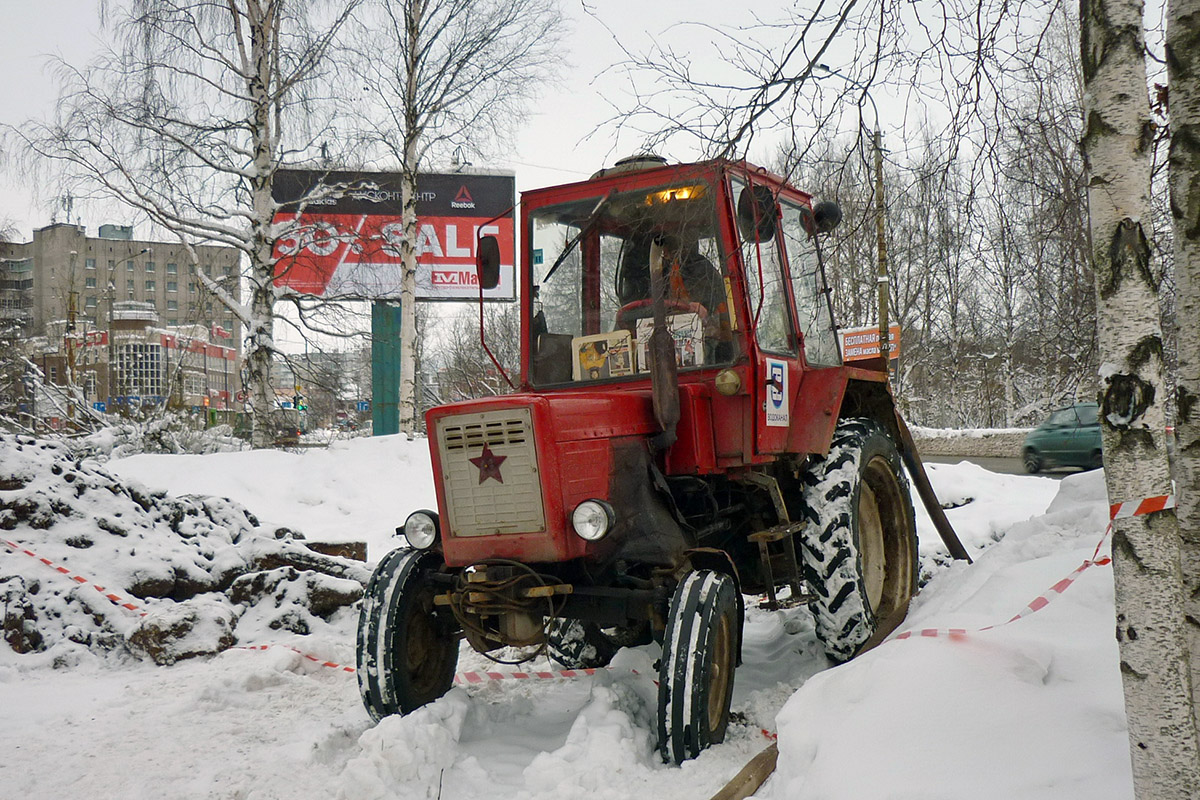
x,y
741,288
742,293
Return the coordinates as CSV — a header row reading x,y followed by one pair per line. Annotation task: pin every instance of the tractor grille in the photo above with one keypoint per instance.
x,y
510,504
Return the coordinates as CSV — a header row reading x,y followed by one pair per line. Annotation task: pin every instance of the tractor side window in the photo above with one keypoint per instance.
x,y
557,301
764,273
808,286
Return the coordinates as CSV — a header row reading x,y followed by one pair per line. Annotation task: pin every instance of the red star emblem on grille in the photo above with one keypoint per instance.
x,y
489,465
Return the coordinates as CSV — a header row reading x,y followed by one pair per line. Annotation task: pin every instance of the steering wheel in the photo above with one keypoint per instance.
x,y
626,317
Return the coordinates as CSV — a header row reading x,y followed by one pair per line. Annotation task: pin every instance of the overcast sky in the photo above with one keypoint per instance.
x,y
551,148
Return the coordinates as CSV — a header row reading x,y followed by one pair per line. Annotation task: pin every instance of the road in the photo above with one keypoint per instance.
x,y
1004,466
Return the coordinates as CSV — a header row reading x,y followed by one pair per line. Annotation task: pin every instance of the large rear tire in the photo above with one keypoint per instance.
x,y
859,552
407,650
695,675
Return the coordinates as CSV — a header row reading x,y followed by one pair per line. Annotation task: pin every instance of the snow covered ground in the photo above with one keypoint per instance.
x,y
1030,709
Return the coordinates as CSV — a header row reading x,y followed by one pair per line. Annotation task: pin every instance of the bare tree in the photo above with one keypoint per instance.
x,y
439,75
186,119
1155,667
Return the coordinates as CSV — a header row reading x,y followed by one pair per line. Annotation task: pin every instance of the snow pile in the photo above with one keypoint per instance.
x,y
189,570
964,433
981,506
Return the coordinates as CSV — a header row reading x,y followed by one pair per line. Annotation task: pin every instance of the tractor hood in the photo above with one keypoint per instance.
x,y
510,471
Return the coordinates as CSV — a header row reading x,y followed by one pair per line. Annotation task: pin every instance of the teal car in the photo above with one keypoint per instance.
x,y
1070,437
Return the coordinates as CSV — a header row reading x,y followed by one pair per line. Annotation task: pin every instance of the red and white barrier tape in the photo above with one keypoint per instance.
x,y
1035,605
115,599
1134,508
464,678
310,657
1129,508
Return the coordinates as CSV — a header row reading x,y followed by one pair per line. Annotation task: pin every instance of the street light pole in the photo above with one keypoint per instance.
x,y
881,275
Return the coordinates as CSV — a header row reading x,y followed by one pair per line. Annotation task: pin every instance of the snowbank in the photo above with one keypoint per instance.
x,y
980,442
93,565
1030,709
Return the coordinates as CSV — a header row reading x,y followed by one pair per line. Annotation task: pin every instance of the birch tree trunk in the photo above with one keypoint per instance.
x,y
414,12
1117,137
1183,77
260,341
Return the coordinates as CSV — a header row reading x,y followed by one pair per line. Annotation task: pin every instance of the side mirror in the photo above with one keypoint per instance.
x,y
826,216
487,262
757,213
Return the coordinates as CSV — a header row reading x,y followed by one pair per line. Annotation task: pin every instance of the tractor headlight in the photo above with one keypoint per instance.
x,y
593,519
421,529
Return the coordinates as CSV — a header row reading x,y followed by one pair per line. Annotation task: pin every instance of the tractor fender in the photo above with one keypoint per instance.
x,y
832,393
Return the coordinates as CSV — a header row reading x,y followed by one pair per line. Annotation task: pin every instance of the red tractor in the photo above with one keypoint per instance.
x,y
684,434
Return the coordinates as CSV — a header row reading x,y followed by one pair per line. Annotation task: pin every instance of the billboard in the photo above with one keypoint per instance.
x,y
342,231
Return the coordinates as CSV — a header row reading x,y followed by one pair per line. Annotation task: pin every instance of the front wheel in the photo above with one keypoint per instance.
x,y
1033,462
859,552
695,675
407,649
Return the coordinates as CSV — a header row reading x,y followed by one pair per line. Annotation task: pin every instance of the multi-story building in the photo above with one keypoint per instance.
x,y
129,318
114,267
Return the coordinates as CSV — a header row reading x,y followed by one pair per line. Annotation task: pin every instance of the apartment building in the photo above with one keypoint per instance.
x,y
129,317
112,267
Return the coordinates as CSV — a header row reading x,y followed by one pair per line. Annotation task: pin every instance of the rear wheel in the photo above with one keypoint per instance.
x,y
1033,461
859,551
407,650
695,675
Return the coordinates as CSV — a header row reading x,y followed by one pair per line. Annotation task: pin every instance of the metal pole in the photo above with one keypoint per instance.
x,y
881,242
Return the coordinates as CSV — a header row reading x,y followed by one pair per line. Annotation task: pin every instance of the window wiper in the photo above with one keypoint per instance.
x,y
583,231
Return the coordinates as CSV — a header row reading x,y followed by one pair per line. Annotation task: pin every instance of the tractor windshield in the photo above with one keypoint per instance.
x,y
591,283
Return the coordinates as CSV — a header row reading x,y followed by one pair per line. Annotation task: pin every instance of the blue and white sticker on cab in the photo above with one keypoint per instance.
x,y
778,415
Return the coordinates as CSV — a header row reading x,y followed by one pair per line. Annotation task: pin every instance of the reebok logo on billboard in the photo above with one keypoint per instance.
x,y
463,199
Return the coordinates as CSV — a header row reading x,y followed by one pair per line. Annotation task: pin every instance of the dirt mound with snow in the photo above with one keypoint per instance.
x,y
90,563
